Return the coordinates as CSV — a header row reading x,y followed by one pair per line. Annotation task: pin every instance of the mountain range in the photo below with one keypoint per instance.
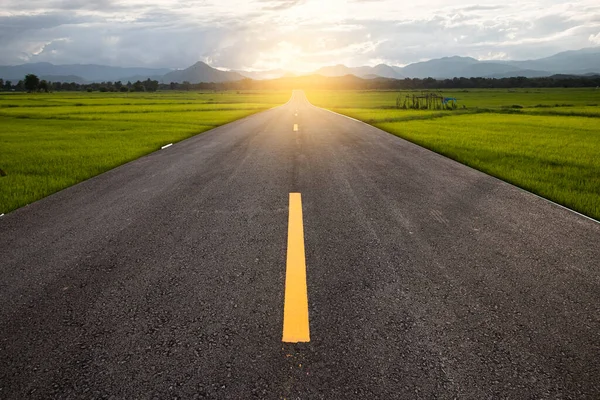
x,y
577,62
381,71
84,72
201,72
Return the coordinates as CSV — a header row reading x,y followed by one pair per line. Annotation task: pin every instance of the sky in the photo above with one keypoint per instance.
x,y
296,35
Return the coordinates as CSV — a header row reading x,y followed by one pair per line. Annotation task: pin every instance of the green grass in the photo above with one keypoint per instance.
x,y
550,146
51,141
471,98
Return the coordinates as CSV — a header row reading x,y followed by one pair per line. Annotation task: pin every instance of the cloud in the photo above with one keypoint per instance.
x,y
18,24
293,34
275,5
483,8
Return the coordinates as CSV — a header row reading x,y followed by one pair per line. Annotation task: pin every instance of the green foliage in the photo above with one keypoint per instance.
x,y
138,87
48,143
150,85
31,82
545,141
43,86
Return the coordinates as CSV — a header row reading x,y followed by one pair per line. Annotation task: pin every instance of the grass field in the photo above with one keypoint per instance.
x,y
546,141
51,141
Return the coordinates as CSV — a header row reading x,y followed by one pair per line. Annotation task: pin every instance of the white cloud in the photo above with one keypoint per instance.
x,y
294,34
493,56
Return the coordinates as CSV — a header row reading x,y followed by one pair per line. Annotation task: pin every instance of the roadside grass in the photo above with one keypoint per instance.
x,y
471,98
545,147
48,142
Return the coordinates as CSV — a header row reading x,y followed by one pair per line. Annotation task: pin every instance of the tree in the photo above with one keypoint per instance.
x,y
138,86
31,82
150,85
8,85
43,86
1,84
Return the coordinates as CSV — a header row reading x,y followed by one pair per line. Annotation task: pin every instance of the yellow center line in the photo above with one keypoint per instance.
x,y
295,308
295,127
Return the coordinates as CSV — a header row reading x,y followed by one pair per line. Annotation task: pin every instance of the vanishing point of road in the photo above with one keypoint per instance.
x,y
298,254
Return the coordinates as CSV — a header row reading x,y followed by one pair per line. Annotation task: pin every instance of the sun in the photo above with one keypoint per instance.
x,y
284,55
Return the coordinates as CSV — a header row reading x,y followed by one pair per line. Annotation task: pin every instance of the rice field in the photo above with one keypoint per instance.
x,y
49,141
546,141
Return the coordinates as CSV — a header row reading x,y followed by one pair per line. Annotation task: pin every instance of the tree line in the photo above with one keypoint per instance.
x,y
32,83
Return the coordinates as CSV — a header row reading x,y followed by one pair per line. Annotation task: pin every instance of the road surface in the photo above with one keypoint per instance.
x,y
166,277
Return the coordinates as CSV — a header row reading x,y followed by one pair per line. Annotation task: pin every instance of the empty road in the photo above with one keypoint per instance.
x,y
422,278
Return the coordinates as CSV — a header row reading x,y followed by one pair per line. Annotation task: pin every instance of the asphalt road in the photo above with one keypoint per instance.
x,y
165,277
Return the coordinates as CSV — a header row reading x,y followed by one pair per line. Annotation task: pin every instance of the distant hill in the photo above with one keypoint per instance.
x,y
386,71
381,70
87,72
447,67
527,73
351,82
142,78
486,69
201,72
568,62
62,78
439,67
578,62
268,74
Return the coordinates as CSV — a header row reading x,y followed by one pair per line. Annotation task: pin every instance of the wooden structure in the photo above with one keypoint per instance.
x,y
426,101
